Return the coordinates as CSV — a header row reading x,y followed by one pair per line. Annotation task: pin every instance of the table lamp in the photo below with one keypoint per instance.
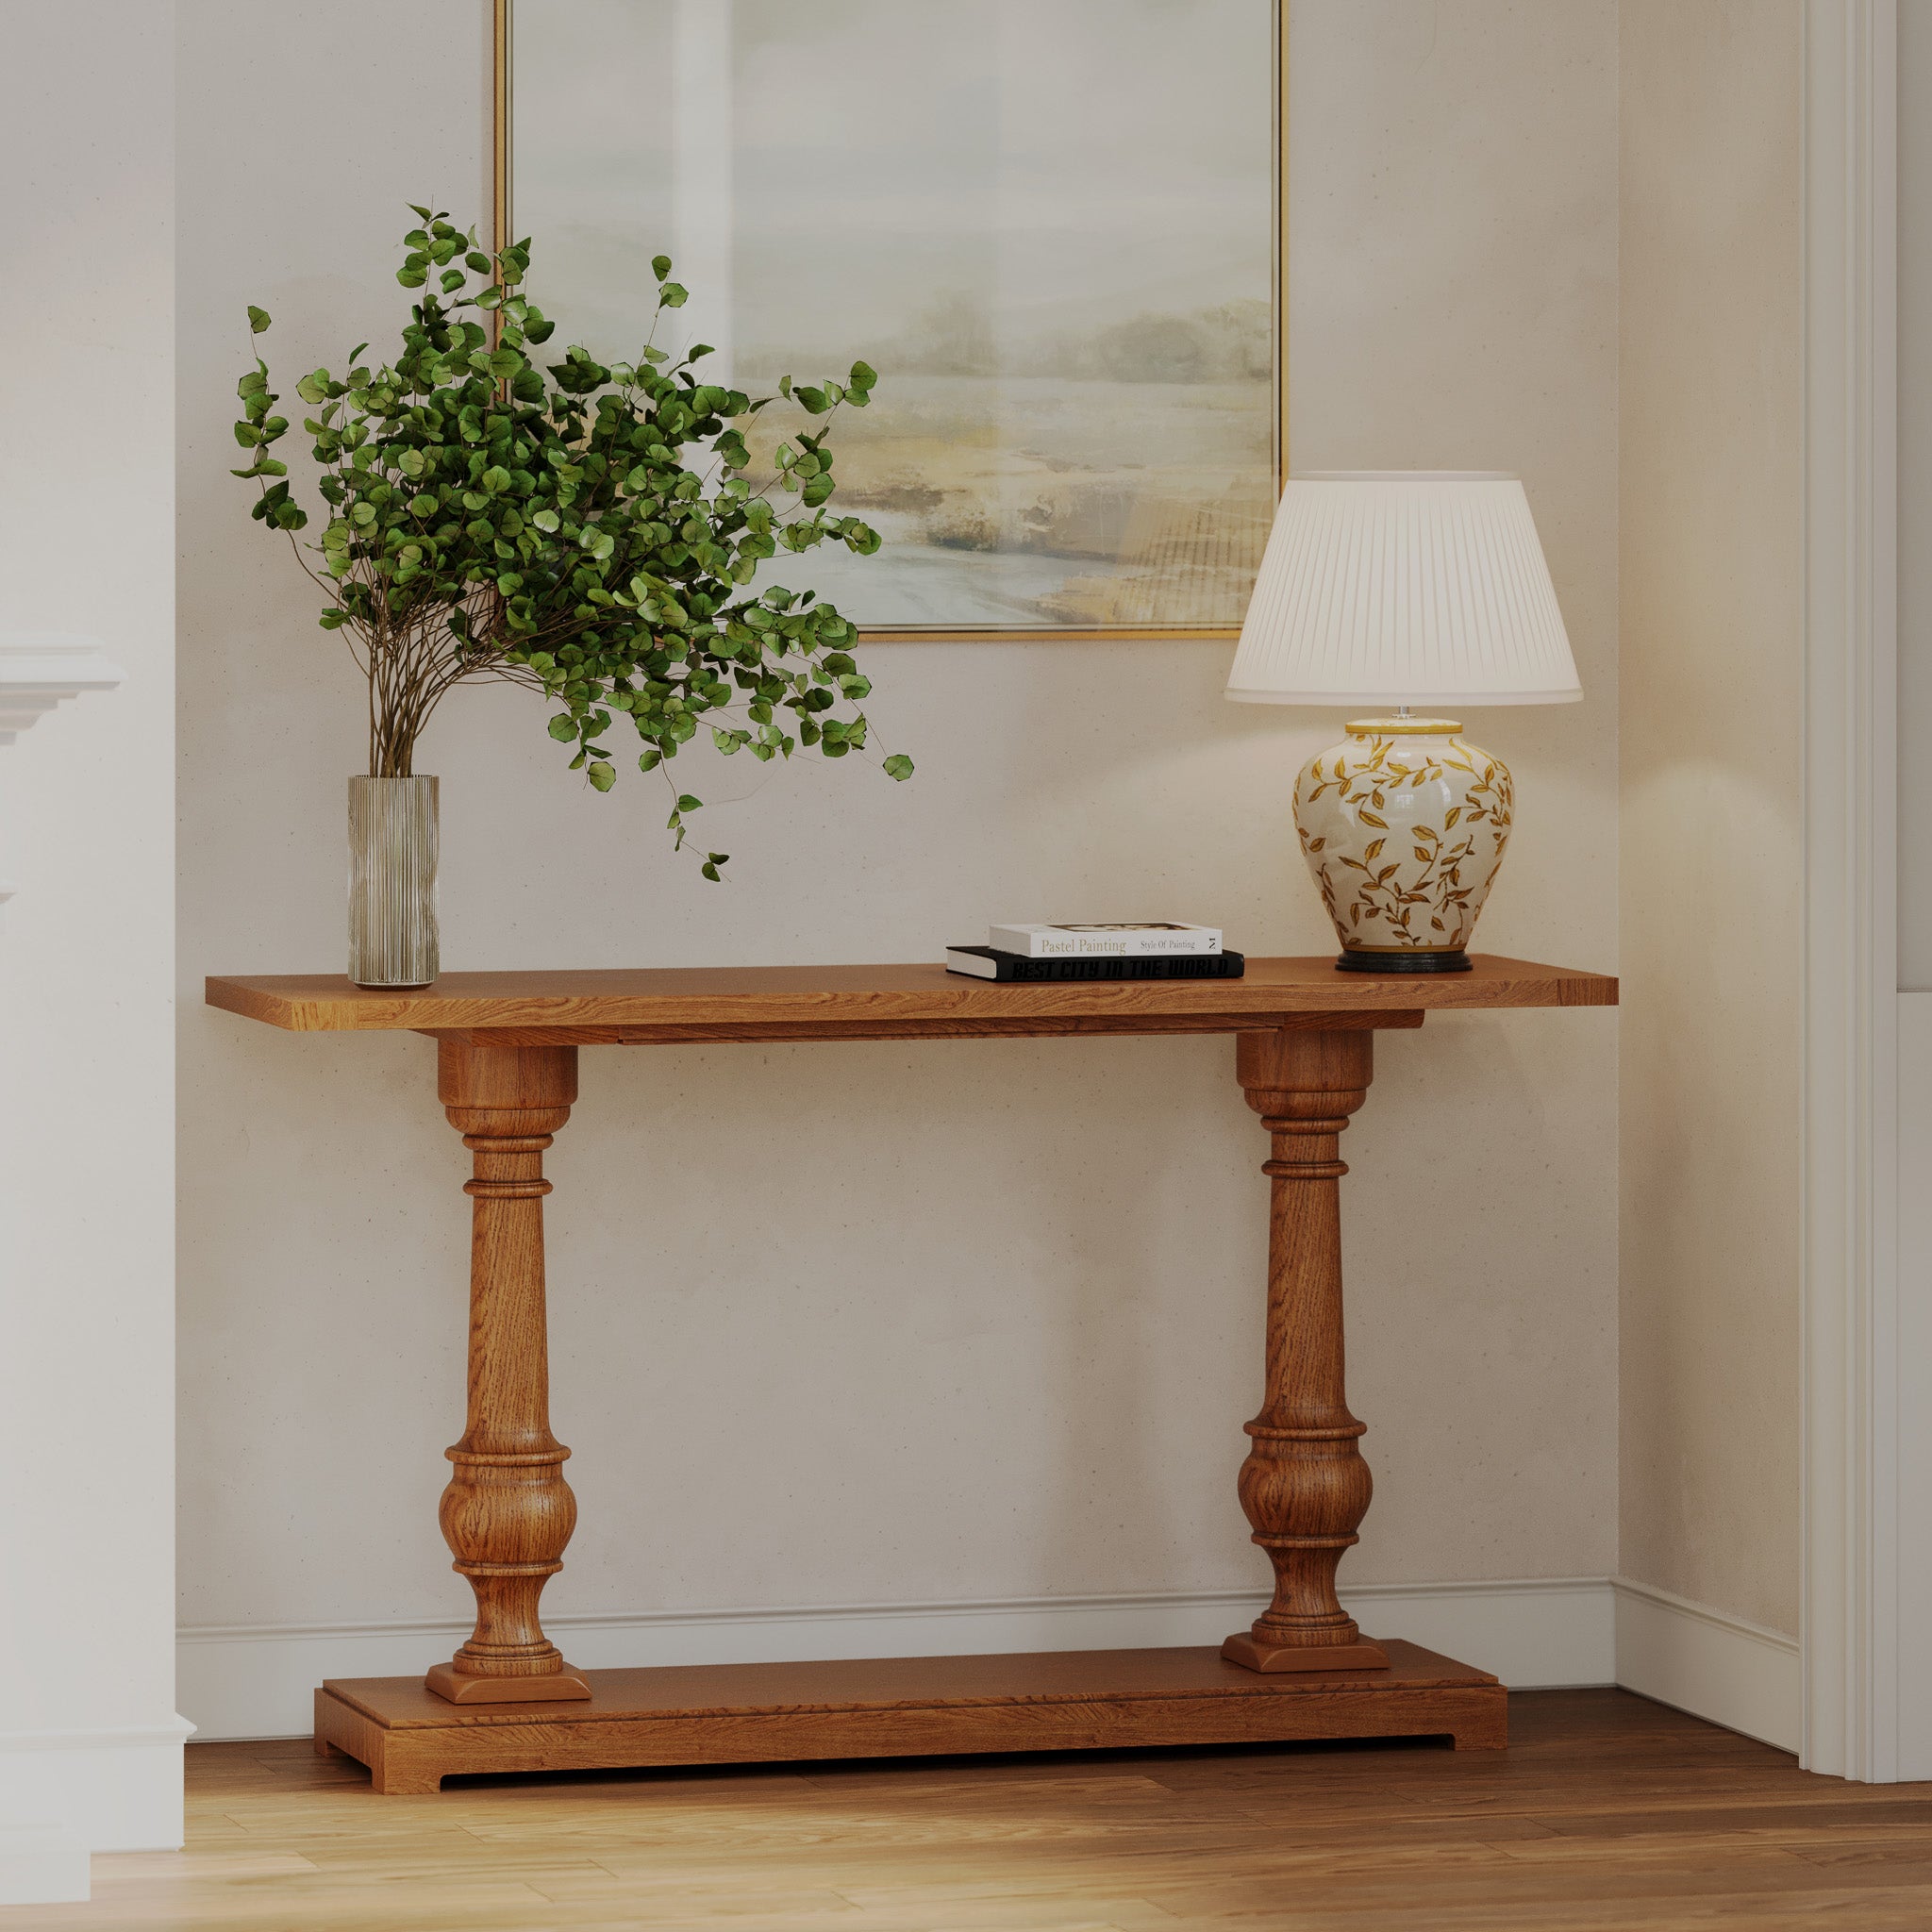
x,y
1415,589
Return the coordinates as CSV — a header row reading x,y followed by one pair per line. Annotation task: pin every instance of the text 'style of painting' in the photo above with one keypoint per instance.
x,y
1049,224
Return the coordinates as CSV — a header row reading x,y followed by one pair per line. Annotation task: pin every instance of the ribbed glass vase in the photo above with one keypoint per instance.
x,y
392,881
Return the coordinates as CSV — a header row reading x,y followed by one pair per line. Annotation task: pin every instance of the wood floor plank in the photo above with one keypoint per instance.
x,y
1606,1814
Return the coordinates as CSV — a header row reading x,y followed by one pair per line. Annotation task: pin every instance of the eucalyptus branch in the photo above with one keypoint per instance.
x,y
489,519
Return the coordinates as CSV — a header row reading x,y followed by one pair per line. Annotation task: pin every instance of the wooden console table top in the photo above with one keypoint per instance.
x,y
637,1006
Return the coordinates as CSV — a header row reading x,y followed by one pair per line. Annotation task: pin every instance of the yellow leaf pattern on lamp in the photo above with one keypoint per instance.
x,y
1403,826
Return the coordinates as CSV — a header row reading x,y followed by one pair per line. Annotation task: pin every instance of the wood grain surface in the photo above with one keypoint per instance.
x,y
1606,1814
1305,1485
507,1512
636,1006
898,1706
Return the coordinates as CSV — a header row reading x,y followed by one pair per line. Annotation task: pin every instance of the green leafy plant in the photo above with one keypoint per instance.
x,y
588,531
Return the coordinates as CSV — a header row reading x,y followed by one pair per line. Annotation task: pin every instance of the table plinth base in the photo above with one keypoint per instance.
x,y
411,1739
458,1687
1272,1658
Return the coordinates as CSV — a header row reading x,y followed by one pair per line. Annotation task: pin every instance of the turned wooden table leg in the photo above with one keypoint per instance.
x,y
1304,1486
507,1511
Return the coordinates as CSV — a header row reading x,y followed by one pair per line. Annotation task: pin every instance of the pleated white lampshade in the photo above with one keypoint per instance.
x,y
1406,587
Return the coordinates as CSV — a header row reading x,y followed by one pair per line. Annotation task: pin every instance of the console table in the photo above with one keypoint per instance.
x,y
506,1074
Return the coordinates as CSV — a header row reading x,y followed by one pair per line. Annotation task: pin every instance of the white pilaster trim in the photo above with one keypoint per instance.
x,y
1850,1394
176,1730
103,1788
43,1865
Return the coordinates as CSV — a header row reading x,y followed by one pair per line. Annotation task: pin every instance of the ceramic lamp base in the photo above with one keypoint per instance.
x,y
1403,826
1404,962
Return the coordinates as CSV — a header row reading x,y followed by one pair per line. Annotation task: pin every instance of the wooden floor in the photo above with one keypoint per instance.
x,y
1606,1812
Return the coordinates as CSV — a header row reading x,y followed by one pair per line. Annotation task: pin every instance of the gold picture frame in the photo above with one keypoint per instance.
x,y
504,189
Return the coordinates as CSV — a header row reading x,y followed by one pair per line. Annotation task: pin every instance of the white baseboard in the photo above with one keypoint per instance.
x,y
258,1681
1715,1666
1536,1633
107,1790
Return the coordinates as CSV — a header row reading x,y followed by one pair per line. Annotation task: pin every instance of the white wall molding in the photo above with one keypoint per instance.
x,y
258,1681
1715,1666
39,670
1851,1393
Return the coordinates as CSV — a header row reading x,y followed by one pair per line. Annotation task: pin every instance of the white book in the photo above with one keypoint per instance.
x,y
1129,940
973,960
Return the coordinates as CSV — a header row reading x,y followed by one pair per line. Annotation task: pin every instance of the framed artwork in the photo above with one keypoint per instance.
x,y
1052,226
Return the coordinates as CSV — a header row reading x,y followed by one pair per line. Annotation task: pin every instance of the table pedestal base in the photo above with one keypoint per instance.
x,y
1273,1658
902,1707
457,1687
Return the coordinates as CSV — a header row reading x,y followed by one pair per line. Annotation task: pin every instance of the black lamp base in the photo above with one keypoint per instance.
x,y
1404,962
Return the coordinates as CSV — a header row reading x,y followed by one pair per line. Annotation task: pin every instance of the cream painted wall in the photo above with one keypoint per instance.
x,y
838,1325
89,1740
1711,733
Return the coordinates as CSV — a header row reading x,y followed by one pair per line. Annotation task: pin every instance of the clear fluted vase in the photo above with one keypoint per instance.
x,y
393,840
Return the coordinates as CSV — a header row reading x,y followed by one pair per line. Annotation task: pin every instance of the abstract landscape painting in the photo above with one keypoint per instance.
x,y
1049,224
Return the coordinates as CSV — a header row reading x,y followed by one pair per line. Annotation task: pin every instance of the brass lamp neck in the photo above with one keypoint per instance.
x,y
1403,725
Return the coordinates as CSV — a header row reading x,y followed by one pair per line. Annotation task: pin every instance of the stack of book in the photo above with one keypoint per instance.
x,y
1160,949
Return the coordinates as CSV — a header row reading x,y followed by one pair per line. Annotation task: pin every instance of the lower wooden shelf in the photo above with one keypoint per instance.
x,y
901,1707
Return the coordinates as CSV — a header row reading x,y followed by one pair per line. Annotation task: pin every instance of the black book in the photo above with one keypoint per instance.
x,y
983,963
